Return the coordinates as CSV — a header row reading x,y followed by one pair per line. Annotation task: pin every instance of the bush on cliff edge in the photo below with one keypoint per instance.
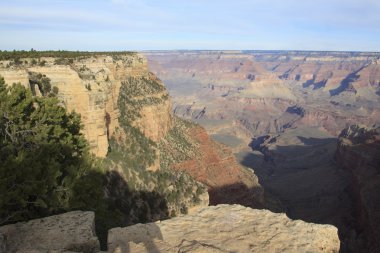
x,y
42,154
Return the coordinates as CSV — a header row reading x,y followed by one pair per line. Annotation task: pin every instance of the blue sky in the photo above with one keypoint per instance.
x,y
190,24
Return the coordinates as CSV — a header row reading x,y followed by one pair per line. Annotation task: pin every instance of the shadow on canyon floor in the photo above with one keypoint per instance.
x,y
307,182
311,141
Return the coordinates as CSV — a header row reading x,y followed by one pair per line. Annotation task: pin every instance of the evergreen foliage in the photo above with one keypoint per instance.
x,y
42,154
139,151
43,83
177,145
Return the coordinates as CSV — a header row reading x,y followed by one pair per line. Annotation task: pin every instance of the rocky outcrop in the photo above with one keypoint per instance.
x,y
91,86
69,232
225,228
222,228
359,153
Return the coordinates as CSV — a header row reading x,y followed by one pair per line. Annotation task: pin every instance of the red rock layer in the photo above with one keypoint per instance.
x,y
217,168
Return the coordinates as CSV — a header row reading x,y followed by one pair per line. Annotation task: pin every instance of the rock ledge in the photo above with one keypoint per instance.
x,y
225,228
68,232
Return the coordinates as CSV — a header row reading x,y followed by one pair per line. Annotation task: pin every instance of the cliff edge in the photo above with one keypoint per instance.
x,y
225,228
222,228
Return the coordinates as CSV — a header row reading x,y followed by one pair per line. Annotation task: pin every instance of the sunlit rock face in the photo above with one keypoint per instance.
x,y
68,232
222,228
225,228
90,86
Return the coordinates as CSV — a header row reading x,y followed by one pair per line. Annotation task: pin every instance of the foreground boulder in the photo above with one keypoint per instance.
x,y
225,228
70,232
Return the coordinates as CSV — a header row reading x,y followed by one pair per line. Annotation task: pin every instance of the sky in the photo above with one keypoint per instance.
x,y
114,25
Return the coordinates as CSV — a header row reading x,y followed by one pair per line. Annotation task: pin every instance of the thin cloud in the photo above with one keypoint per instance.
x,y
277,24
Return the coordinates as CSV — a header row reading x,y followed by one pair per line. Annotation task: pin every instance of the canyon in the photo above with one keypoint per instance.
x,y
281,112
97,87
265,132
156,165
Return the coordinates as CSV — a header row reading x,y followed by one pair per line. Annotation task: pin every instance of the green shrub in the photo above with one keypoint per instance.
x,y
42,81
42,155
42,63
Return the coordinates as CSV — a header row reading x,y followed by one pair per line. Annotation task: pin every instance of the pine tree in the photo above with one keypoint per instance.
x,y
42,154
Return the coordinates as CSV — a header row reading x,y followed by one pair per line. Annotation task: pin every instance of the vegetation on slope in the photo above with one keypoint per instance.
x,y
133,153
177,146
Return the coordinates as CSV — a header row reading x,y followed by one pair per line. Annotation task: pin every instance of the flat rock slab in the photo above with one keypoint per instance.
x,y
225,228
68,232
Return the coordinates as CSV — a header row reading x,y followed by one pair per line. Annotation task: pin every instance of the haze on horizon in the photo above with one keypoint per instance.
x,y
103,25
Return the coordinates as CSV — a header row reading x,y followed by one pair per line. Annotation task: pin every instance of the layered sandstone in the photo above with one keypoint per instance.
x,y
68,232
225,228
91,86
359,153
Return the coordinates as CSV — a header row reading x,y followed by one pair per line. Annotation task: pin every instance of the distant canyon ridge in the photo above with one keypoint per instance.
x,y
253,93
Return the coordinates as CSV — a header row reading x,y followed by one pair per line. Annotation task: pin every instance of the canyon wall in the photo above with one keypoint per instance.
x,y
90,86
217,168
358,152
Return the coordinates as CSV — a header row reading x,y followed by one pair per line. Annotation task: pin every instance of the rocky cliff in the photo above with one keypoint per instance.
x,y
214,165
358,152
91,87
222,228
127,116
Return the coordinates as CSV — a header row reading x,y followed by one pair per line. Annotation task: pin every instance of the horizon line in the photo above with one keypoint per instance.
x,y
195,50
